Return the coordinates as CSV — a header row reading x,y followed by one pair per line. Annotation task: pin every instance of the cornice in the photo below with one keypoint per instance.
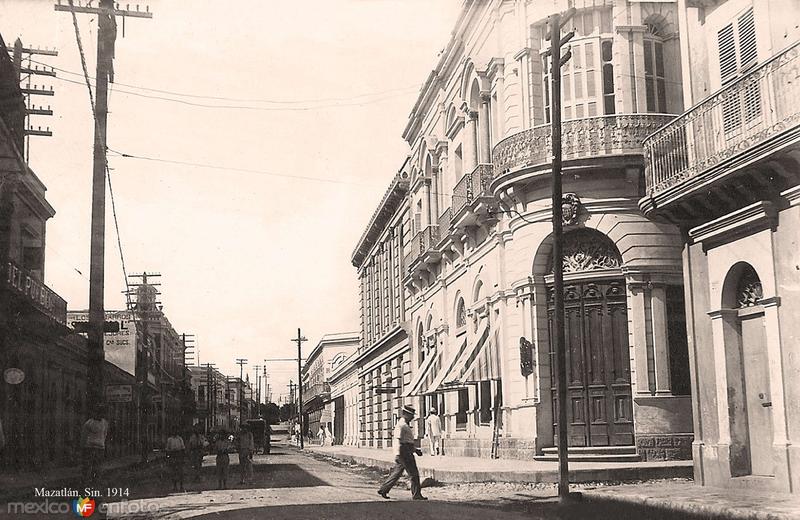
x,y
391,201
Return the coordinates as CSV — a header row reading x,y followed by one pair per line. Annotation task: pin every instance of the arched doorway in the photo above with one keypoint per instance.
x,y
600,411
750,405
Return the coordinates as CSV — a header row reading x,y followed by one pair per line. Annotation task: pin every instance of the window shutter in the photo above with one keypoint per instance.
x,y
748,51
727,53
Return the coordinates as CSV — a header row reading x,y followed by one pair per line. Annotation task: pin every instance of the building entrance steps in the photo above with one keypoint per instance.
x,y
592,454
473,469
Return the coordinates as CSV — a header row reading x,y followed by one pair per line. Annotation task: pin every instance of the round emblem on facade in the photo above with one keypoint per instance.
x,y
570,205
13,376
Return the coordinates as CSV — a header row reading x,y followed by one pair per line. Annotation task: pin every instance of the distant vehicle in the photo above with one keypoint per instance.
x,y
258,427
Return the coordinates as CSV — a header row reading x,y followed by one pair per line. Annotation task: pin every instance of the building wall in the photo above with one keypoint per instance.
x,y
490,84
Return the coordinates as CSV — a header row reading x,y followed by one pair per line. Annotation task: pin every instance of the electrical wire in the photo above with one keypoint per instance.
x,y
246,100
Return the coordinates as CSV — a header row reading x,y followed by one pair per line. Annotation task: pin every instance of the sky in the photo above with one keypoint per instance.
x,y
298,106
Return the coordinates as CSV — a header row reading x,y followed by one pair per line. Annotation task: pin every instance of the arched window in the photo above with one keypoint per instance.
x,y
588,250
461,314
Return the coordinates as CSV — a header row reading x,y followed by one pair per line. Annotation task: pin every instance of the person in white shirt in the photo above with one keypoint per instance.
x,y
433,425
176,450
404,451
246,449
93,442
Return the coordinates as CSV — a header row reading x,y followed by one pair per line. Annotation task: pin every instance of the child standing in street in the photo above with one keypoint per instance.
x,y
222,447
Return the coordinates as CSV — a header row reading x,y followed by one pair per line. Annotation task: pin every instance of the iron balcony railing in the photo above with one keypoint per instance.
x,y
744,114
473,185
621,134
423,242
444,222
35,292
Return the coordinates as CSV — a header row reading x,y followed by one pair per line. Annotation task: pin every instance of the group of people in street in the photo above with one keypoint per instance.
x,y
94,434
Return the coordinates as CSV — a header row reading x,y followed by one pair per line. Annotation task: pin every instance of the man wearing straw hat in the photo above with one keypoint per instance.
x,y
404,451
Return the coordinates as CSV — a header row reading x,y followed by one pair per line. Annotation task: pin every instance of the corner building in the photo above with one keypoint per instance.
x,y
727,173
478,263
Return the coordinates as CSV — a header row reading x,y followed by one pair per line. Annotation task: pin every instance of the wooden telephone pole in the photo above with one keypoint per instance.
x,y
299,340
241,362
106,36
556,22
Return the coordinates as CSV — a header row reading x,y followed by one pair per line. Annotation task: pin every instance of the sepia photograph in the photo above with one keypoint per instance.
x,y
391,259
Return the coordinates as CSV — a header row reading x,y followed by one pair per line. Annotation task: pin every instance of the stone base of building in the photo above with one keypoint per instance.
x,y
508,448
665,446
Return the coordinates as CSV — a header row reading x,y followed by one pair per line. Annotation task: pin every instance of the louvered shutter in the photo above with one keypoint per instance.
x,y
738,52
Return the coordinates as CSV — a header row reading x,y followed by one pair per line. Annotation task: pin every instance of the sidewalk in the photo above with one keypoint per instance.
x,y
694,501
453,470
16,483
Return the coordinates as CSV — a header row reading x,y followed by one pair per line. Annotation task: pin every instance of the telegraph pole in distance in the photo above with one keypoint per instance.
x,y
300,339
241,362
258,390
556,22
106,35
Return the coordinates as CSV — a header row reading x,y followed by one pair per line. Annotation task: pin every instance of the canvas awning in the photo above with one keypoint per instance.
x,y
424,370
456,376
436,384
486,363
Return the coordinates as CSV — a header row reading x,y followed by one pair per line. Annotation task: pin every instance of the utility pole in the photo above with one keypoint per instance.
x,y
258,390
300,339
211,397
106,36
241,362
556,22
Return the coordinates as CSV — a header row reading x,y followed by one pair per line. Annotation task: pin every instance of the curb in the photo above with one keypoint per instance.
x,y
687,509
550,476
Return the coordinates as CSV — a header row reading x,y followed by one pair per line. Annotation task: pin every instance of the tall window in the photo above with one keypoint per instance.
x,y
607,58
654,77
738,52
463,407
546,86
485,388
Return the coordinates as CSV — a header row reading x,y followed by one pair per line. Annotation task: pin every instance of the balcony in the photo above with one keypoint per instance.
x,y
530,151
423,247
35,293
445,220
471,192
747,123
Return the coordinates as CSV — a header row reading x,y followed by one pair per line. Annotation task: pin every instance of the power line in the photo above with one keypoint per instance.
x,y
235,169
248,100
256,108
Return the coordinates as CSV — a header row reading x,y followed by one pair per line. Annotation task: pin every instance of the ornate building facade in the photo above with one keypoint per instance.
x,y
383,361
478,263
727,173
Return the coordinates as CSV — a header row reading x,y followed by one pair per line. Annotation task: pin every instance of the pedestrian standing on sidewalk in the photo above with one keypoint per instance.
x,y
2,437
321,435
404,451
176,450
246,448
222,447
93,443
434,427
197,444
267,439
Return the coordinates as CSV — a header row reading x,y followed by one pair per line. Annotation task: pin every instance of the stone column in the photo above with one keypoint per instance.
x,y
485,122
437,190
469,148
428,201
638,337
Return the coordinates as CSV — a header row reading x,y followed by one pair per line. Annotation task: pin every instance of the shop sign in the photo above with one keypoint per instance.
x,y
119,393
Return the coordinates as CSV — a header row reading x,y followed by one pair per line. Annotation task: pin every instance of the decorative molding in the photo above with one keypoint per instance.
x,y
522,53
759,214
570,206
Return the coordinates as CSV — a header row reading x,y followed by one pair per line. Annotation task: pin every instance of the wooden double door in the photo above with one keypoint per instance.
x,y
599,408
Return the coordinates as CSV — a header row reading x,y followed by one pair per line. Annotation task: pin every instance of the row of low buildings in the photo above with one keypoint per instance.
x,y
43,356
221,402
680,173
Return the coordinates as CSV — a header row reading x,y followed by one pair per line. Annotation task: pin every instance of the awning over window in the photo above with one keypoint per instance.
x,y
423,372
435,385
456,376
486,363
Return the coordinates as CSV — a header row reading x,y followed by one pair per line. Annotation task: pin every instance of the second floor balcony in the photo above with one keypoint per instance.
x,y
472,198
730,149
527,155
423,248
